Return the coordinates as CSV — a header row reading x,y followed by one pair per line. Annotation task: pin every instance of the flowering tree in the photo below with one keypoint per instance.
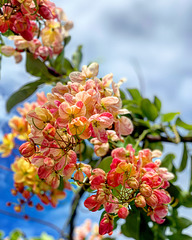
x,y
89,133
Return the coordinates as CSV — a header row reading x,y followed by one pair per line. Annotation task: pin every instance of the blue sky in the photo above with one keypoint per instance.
x,y
123,36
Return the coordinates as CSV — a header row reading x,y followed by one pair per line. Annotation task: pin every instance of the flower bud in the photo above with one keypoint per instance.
x,y
39,207
27,149
145,190
26,194
152,200
17,208
133,183
140,201
13,192
123,212
45,12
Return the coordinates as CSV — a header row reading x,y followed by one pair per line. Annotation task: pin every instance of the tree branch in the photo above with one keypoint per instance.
x,y
40,221
152,138
76,202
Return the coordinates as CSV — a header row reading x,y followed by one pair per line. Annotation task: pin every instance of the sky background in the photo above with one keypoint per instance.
x,y
151,38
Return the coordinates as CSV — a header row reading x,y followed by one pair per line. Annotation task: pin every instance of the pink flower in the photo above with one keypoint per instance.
x,y
123,212
159,213
99,123
106,225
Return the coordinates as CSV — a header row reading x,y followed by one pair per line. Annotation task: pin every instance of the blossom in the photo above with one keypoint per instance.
x,y
7,145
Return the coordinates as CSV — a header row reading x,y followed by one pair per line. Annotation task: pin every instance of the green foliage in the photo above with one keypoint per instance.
x,y
184,158
105,163
149,109
77,57
182,124
16,235
36,67
157,103
23,93
131,227
168,116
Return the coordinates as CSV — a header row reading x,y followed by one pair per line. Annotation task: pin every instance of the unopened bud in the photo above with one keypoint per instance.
x,y
133,183
27,149
123,212
26,194
152,200
45,12
39,207
140,201
145,190
17,208
13,192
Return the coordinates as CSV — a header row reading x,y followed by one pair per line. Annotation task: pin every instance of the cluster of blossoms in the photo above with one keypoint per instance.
x,y
27,184
134,180
26,180
86,107
29,20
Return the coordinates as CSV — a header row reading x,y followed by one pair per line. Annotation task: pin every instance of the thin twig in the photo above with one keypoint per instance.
x,y
5,168
40,221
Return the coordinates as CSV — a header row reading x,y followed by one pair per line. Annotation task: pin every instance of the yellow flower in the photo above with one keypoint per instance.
x,y
24,172
51,33
7,145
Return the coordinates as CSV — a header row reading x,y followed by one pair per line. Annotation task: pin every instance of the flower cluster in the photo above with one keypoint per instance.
x,y
133,180
86,107
27,184
29,20
20,128
26,180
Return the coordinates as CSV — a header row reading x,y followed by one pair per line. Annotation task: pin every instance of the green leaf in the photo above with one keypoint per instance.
x,y
176,193
182,124
67,40
183,223
68,66
105,163
149,110
190,185
184,158
132,226
1,235
45,236
167,161
135,94
8,33
36,67
23,93
77,57
167,117
15,235
142,122
145,230
186,199
59,62
179,237
154,145
129,140
157,103
122,95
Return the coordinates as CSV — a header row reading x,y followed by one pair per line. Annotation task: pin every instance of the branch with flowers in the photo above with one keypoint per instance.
x,y
88,133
